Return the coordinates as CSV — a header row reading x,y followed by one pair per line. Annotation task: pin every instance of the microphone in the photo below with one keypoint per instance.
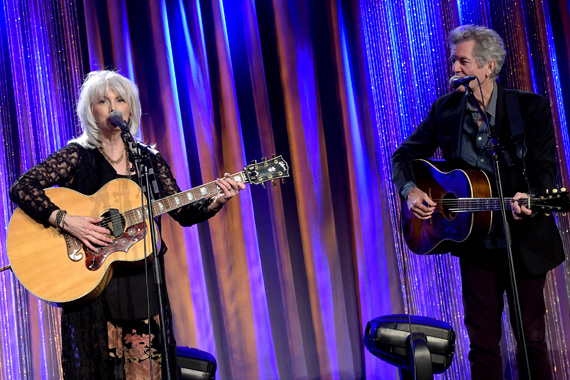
x,y
456,81
117,119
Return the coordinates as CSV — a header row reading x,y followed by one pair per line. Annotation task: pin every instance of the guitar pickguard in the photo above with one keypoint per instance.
x,y
133,234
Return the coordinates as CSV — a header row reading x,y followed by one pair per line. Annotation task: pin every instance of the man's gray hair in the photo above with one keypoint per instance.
x,y
97,84
489,46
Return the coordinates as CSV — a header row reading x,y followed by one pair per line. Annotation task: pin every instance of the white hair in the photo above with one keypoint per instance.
x,y
489,46
97,84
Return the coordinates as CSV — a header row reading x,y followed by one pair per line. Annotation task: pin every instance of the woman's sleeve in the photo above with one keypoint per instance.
x,y
188,215
28,190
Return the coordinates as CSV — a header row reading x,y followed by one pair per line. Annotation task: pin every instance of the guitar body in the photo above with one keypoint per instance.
x,y
445,230
40,257
58,269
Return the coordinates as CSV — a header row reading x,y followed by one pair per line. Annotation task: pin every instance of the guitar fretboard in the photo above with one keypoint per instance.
x,y
546,202
478,204
178,200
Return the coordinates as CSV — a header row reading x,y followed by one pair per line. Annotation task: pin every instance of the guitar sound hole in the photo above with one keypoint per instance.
x,y
449,204
114,221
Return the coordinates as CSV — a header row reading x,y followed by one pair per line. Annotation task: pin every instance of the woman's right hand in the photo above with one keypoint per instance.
x,y
85,229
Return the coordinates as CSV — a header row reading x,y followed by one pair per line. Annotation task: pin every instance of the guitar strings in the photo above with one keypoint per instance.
x,y
474,204
492,204
117,218
197,196
196,191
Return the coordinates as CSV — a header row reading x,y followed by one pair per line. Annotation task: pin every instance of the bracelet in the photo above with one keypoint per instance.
x,y
212,201
59,218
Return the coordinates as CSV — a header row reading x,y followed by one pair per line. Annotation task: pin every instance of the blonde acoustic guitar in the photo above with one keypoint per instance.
x,y
56,268
464,206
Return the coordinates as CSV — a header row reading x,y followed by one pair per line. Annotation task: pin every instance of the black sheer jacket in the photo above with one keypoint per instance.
x,y
84,327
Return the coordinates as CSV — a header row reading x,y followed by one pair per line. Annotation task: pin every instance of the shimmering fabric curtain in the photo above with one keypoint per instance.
x,y
282,282
418,74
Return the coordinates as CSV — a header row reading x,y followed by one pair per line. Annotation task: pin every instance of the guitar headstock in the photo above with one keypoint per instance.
x,y
555,201
267,170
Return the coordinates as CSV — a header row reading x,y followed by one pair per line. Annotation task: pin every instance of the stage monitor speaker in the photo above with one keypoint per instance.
x,y
387,337
196,364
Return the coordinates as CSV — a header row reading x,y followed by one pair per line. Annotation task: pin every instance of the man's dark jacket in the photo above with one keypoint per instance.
x,y
535,239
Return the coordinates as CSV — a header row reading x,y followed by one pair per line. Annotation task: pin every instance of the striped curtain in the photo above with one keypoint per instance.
x,y
281,283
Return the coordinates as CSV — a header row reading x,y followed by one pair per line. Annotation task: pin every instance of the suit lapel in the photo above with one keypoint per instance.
x,y
456,121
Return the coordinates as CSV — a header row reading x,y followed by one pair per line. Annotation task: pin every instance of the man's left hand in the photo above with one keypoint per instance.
x,y
520,210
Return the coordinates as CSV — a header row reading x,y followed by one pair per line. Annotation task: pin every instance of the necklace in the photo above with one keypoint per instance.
x,y
112,162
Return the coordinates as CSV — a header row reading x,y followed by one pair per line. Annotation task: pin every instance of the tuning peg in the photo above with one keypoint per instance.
x,y
546,191
263,159
283,180
263,184
273,155
554,191
547,214
563,189
273,182
564,214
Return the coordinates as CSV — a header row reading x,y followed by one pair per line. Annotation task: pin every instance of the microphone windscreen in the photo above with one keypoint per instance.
x,y
455,81
452,80
117,118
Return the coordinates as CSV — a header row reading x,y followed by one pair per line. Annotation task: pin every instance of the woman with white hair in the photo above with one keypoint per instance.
x,y
102,338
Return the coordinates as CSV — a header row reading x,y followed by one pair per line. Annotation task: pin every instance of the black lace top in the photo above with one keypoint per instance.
x,y
86,171
84,327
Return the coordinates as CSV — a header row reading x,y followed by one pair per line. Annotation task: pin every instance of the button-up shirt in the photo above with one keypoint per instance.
x,y
477,152
476,140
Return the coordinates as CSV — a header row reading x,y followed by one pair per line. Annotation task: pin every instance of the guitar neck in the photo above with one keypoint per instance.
x,y
479,204
173,202
555,202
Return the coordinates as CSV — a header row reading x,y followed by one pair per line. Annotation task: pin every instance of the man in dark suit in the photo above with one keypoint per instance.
x,y
456,127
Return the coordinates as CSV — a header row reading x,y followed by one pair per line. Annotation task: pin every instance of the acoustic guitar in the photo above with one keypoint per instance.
x,y
463,213
58,269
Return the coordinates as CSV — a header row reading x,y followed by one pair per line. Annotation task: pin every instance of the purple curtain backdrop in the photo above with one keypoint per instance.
x,y
283,281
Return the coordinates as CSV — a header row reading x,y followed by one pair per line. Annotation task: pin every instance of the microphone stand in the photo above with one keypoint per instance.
x,y
497,149
140,157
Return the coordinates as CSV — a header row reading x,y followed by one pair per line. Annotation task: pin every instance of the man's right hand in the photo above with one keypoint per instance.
x,y
420,205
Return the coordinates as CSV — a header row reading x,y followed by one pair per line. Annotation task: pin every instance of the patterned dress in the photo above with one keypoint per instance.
x,y
107,337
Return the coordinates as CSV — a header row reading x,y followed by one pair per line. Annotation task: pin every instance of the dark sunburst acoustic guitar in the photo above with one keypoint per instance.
x,y
464,208
58,269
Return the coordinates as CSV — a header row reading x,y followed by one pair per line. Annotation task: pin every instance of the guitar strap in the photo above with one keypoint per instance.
x,y
517,129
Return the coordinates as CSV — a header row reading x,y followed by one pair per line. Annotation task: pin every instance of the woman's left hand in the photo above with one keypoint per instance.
x,y
229,189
